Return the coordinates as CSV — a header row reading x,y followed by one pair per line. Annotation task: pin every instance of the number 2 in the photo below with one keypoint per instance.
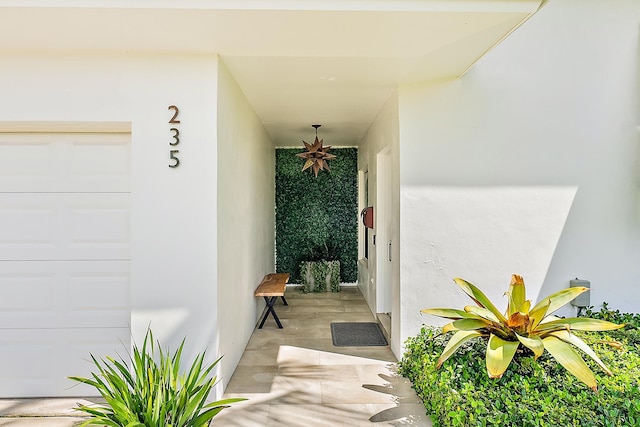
x,y
175,109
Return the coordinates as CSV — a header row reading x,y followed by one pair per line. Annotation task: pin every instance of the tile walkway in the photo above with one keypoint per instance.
x,y
41,412
296,377
292,376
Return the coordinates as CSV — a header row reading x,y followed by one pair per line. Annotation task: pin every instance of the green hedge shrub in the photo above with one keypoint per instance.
x,y
631,331
317,218
531,393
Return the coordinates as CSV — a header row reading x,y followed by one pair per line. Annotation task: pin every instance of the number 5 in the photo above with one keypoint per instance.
x,y
172,156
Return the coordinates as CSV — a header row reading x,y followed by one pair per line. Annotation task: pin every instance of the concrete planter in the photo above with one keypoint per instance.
x,y
320,276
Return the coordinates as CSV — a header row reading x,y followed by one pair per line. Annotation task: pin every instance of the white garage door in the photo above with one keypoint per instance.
x,y
64,258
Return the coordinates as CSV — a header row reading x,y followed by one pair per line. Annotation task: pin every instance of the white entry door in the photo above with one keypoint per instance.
x,y
64,258
384,242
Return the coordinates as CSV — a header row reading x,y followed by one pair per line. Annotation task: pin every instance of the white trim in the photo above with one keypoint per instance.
x,y
509,6
518,25
65,127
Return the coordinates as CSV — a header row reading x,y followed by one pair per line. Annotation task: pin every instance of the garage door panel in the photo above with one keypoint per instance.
x,y
41,162
26,161
70,226
64,257
27,292
37,362
99,222
99,159
25,223
63,294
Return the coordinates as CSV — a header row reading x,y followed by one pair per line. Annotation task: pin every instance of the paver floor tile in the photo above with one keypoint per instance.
x,y
318,384
41,421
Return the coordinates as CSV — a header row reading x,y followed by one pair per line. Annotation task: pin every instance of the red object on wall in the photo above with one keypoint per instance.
x,y
367,216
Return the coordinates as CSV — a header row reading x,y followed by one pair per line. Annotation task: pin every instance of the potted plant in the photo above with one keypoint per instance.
x,y
320,271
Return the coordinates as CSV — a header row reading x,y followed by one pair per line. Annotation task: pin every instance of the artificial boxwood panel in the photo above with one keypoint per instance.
x,y
317,217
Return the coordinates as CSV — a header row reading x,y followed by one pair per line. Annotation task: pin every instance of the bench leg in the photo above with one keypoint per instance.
x,y
270,302
284,301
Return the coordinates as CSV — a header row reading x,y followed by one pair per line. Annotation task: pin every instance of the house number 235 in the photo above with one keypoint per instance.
x,y
174,161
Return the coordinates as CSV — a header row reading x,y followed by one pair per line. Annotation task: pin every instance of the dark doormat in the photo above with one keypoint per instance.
x,y
357,334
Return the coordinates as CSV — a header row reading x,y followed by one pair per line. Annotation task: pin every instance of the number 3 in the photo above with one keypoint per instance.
x,y
176,137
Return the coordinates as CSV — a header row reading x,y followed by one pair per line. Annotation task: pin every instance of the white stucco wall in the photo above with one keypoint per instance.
x,y
246,218
528,164
382,134
173,220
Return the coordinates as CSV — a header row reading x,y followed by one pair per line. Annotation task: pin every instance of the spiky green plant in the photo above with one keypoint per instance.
x,y
535,328
151,391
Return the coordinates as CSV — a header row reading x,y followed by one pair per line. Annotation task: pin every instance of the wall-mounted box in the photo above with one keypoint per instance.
x,y
582,300
367,217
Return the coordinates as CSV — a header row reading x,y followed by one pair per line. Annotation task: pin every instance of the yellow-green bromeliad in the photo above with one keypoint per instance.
x,y
535,328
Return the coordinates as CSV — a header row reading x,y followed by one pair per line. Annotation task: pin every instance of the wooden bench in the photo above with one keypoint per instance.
x,y
272,286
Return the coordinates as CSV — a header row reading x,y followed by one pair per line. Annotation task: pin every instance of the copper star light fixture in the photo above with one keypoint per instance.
x,y
316,155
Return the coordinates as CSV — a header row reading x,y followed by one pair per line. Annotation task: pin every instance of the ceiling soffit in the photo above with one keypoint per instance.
x,y
298,62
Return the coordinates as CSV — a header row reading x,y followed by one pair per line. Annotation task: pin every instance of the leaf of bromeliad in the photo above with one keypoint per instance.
x,y
482,312
548,319
448,328
533,343
471,324
578,324
449,313
480,298
557,300
567,357
517,294
537,314
518,321
454,343
499,355
525,307
570,338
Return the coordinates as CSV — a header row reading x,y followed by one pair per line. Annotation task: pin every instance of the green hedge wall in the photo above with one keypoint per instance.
x,y
317,218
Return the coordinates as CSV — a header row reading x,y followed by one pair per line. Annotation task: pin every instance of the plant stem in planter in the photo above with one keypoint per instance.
x,y
320,276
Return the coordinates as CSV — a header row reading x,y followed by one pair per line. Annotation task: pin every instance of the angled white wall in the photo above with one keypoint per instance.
x,y
382,135
528,164
246,218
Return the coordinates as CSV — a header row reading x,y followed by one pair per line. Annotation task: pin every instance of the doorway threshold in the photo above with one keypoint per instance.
x,y
385,322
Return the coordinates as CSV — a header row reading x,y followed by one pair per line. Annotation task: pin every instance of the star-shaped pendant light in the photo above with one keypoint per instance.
x,y
316,155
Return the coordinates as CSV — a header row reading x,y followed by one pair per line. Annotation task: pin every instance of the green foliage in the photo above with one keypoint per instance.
x,y
530,394
630,320
535,328
150,390
317,218
320,276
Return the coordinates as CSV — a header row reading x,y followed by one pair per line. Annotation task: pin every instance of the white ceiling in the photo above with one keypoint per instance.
x,y
299,62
